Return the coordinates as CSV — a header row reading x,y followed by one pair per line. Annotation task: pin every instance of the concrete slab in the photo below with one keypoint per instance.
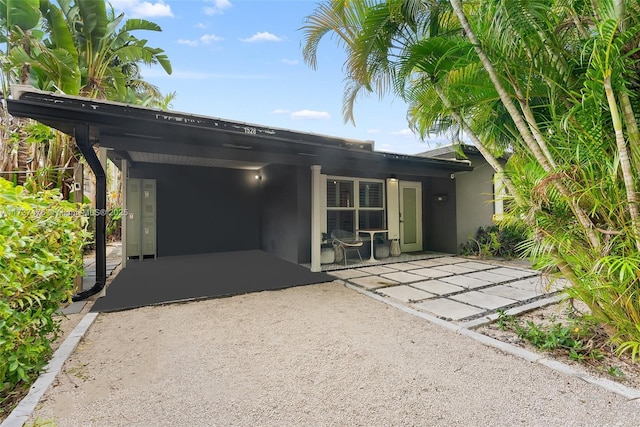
x,y
466,281
510,292
402,266
480,299
426,263
372,282
73,308
533,284
454,268
347,274
402,276
489,276
437,287
378,269
476,265
515,273
448,309
553,285
404,293
451,259
431,272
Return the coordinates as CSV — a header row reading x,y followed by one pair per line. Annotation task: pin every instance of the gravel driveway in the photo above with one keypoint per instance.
x,y
320,355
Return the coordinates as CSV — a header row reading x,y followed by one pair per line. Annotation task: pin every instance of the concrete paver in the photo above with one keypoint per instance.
x,y
476,265
481,299
448,309
431,272
377,269
451,259
507,291
428,262
466,281
437,287
349,273
454,268
490,276
402,276
372,282
532,284
403,266
514,272
405,293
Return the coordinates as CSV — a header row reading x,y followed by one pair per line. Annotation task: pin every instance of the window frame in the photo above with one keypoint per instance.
x,y
356,208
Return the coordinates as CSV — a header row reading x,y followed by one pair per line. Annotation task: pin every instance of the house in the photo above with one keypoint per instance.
x,y
200,184
476,190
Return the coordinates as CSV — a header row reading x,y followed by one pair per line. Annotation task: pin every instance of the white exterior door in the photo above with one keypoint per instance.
x,y
410,216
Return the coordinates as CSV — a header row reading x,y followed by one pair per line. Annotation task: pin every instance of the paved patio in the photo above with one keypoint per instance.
x,y
452,288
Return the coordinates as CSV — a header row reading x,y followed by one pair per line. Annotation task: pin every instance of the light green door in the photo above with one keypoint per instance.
x,y
410,216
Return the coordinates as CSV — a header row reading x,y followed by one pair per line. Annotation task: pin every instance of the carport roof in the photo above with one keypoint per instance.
x,y
140,134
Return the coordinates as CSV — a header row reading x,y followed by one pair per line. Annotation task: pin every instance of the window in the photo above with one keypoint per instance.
x,y
346,211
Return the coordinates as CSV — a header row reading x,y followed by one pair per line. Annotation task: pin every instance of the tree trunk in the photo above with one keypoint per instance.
x,y
522,126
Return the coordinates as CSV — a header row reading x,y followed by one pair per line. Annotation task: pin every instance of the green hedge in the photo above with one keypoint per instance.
x,y
41,238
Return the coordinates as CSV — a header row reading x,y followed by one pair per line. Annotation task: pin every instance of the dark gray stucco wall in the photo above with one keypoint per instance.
x,y
439,217
279,211
202,210
304,214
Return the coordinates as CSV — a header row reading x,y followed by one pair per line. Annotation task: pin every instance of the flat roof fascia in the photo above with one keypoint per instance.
x,y
107,118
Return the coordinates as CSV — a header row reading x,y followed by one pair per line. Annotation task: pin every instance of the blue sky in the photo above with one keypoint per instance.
x,y
242,60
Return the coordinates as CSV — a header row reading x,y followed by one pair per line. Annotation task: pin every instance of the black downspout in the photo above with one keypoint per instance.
x,y
81,133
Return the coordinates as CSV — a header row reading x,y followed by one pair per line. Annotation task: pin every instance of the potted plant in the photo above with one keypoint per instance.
x,y
327,251
381,247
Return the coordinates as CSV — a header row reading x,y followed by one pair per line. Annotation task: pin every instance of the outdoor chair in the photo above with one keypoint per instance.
x,y
347,241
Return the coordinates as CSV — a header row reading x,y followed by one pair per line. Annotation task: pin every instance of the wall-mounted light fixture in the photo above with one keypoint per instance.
x,y
258,177
393,178
441,198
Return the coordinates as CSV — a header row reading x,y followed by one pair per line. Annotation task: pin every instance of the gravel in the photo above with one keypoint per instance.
x,y
320,355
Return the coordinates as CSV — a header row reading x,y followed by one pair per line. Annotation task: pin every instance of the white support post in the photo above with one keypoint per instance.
x,y
316,227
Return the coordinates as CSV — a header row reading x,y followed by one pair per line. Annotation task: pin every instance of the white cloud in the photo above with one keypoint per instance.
x,y
143,9
218,7
262,37
201,25
206,39
373,130
280,111
404,132
387,148
310,114
290,61
188,42
210,38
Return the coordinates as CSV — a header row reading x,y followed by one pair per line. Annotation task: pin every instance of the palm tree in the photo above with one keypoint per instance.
x,y
549,79
17,19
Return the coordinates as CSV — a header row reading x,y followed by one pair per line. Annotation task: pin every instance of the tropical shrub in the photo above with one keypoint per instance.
x,y
495,241
41,238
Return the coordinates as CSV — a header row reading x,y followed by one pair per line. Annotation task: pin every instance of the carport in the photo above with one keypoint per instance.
x,y
225,185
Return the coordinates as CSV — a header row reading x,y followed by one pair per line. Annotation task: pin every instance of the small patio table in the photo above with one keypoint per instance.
x,y
371,232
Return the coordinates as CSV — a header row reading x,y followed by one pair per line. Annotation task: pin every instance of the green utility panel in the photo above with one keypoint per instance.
x,y
141,218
